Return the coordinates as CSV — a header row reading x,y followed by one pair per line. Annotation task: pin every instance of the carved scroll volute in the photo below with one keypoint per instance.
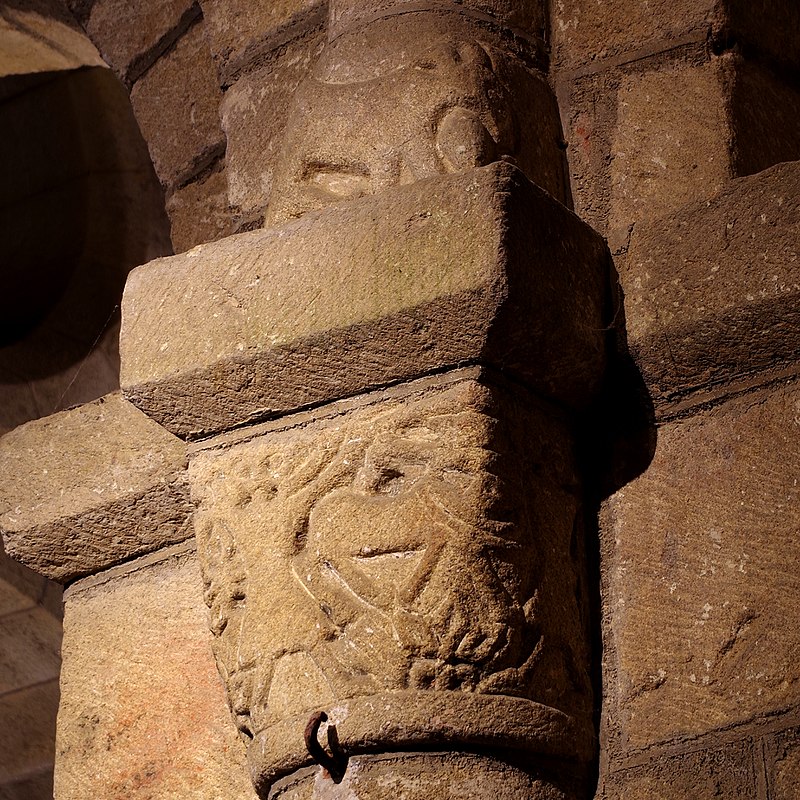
x,y
408,555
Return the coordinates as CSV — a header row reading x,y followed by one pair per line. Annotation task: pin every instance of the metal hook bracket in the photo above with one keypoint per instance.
x,y
334,762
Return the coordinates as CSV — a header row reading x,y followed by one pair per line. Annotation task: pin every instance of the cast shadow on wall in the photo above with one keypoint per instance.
x,y
617,442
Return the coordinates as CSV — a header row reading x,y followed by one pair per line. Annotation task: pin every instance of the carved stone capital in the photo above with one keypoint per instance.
x,y
412,566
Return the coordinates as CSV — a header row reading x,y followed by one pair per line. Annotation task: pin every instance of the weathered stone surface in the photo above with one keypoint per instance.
x,y
672,141
27,736
712,291
727,771
176,105
126,30
407,98
253,114
200,212
90,487
700,576
142,701
30,644
242,32
414,567
528,16
783,764
764,110
32,787
41,36
439,273
584,31
644,141
430,776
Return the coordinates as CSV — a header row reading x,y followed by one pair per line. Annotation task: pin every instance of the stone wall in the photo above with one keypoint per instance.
x,y
678,125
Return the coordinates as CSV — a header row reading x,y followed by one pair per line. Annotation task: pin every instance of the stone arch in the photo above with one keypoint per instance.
x,y
81,206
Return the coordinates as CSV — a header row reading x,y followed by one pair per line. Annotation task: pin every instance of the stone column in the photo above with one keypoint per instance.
x,y
382,398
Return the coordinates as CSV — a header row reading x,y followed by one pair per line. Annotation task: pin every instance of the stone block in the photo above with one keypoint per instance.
x,y
142,702
254,112
199,212
411,565
712,291
528,16
783,764
725,771
647,139
242,33
41,36
672,140
30,646
90,487
127,31
700,575
28,731
584,32
433,776
366,293
38,786
176,104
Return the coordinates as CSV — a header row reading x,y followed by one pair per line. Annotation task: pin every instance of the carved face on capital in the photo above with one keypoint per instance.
x,y
403,100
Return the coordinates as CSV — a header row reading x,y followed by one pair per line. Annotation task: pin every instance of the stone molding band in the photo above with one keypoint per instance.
x,y
527,47
414,720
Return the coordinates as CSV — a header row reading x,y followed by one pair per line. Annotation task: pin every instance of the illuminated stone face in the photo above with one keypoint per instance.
x,y
409,98
397,552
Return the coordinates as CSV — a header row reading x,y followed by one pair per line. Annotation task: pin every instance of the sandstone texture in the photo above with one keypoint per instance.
x,y
672,140
253,114
783,759
141,698
585,32
429,776
441,273
242,33
90,487
407,98
643,142
199,212
723,771
712,292
413,567
127,32
528,16
701,575
40,36
176,105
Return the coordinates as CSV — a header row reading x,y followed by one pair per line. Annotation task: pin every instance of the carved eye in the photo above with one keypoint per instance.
x,y
341,181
